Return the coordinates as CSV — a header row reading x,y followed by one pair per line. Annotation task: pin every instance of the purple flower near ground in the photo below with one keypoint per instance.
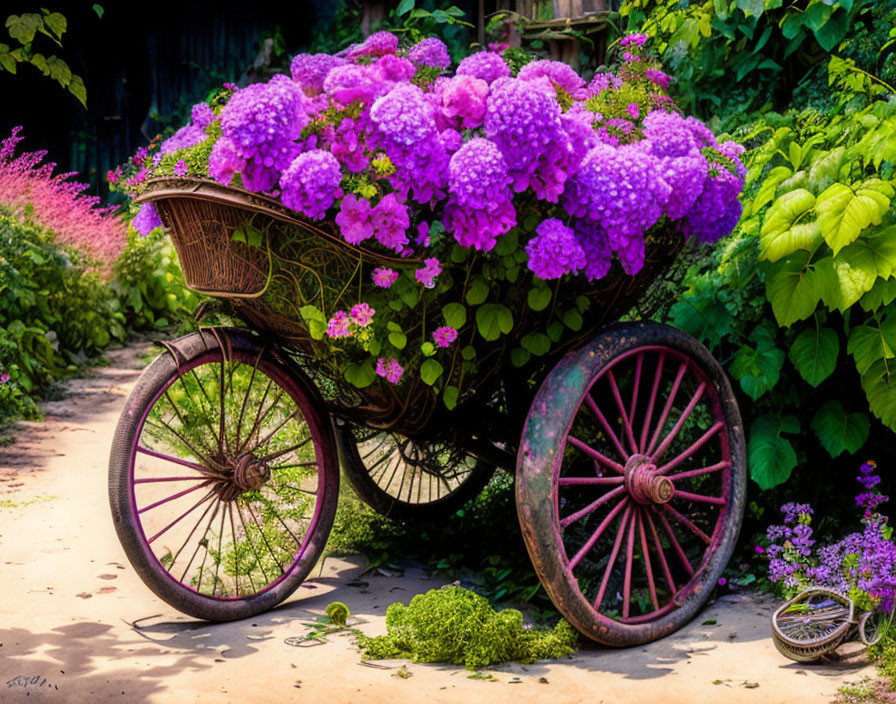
x,y
657,77
5,377
391,222
444,336
557,72
391,369
311,70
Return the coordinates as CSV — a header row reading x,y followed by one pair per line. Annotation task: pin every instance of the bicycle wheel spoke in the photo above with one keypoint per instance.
x,y
648,569
592,405
676,546
286,451
264,537
692,449
218,558
668,407
257,420
190,534
614,553
645,429
626,422
685,414
236,550
168,479
699,498
183,423
239,423
182,516
174,496
239,512
590,508
703,470
594,536
667,573
591,452
627,579
202,543
180,437
687,523
176,460
277,429
222,392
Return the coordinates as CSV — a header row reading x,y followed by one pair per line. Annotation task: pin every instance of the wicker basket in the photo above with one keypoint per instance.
x,y
807,634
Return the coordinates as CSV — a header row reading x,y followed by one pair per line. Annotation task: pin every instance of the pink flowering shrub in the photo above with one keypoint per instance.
x,y
30,189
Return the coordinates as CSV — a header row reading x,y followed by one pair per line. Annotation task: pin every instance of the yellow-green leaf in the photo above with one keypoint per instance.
x,y
844,212
777,238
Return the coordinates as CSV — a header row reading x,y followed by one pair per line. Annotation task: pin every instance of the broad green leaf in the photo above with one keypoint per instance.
x,y
832,32
771,457
793,289
838,430
374,347
875,253
814,354
705,317
7,62
455,315
766,192
428,349
758,368
77,89
844,212
537,343
881,294
430,371
493,320
98,9
397,340
797,181
449,397
23,27
777,238
59,70
392,326
867,344
854,278
56,23
539,298
404,7
519,356
751,8
817,15
879,384
468,352
555,331
478,292
40,61
805,236
825,171
459,254
792,24
315,320
360,375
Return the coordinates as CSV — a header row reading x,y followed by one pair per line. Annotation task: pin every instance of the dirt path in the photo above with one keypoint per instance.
x,y
77,625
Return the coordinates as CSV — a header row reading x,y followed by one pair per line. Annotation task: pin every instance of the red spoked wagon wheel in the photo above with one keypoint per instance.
x,y
223,476
407,480
631,478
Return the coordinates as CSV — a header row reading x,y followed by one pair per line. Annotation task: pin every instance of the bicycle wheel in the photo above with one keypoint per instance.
x,y
407,480
223,477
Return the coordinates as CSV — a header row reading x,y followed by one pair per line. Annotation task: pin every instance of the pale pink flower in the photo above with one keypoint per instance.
x,y
338,326
384,277
362,314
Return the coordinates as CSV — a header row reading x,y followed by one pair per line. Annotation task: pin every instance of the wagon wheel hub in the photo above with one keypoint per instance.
x,y
246,473
644,485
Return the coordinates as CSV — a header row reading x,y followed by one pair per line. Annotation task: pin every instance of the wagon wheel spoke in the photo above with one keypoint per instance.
x,y
648,568
617,543
626,419
667,408
592,405
648,416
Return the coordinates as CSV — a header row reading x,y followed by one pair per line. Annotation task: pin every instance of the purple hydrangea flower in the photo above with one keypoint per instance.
x,y
311,70
377,44
557,72
186,137
354,219
225,161
347,144
657,77
444,336
394,69
716,210
202,115
147,219
311,183
486,65
635,39
554,251
430,52
603,81
391,221
180,168
463,100
350,83
596,245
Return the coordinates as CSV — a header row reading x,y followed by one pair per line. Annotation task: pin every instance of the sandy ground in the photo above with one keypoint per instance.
x,y
77,625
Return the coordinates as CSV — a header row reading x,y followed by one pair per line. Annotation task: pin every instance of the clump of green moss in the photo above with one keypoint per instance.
x,y
457,626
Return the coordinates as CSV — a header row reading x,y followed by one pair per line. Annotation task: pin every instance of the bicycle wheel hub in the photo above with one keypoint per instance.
x,y
246,473
644,485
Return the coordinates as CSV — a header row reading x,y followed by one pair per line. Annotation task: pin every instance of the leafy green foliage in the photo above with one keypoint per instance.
x,y
455,625
772,457
23,30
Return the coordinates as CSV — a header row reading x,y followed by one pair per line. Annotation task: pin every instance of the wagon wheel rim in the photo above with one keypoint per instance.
x,y
648,469
224,476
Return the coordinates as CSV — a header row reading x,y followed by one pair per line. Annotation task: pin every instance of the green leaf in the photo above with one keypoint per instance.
x,y
410,297
771,457
459,254
397,340
392,326
879,384
360,375
573,320
449,397
839,431
468,352
537,343
881,294
428,349
817,15
867,344
792,25
825,171
854,277
555,331
780,233
843,212
759,368
7,62
315,320
832,32
59,70
814,354
40,61
430,371
404,7
793,289
23,27
56,23
493,320
519,356
539,298
875,253
374,347
751,8
455,315
98,9
766,192
478,291
77,89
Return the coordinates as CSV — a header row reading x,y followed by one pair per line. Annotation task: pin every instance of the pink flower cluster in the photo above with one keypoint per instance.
x,y
344,324
30,189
